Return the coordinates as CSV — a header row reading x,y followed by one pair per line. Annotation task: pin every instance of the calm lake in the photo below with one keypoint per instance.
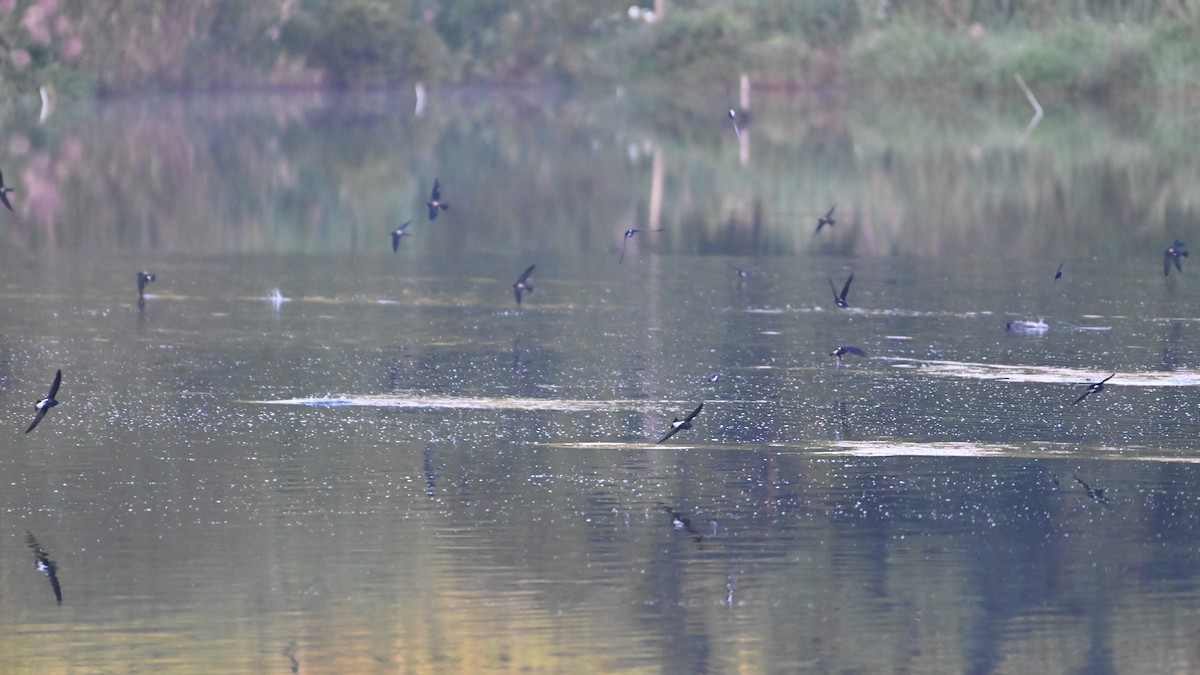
x,y
304,452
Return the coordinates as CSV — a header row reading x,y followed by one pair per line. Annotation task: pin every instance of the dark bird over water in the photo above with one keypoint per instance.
x,y
1096,493
144,278
678,425
733,118
848,349
826,219
521,284
435,201
46,403
4,190
1174,252
1094,388
629,235
400,233
1059,272
840,300
45,565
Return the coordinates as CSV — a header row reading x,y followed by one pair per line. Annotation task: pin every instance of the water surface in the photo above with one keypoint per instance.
x,y
305,446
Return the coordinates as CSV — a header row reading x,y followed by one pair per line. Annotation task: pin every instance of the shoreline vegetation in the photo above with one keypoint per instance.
x,y
1081,49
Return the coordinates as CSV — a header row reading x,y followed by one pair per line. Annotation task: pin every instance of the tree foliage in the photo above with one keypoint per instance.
x,y
125,45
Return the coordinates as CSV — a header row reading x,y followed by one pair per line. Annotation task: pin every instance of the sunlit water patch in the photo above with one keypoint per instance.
x,y
1045,374
477,403
1033,450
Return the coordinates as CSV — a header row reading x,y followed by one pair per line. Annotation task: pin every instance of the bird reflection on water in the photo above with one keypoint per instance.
x,y
45,565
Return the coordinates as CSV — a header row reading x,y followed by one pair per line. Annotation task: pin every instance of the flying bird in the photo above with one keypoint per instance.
x,y
521,284
711,379
826,219
4,190
1174,252
402,232
733,118
46,403
1094,388
629,235
840,300
678,425
847,349
435,201
1059,272
143,278
45,565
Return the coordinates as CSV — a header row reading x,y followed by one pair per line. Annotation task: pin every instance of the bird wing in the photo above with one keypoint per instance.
x,y
4,199
437,192
854,350
517,292
1167,263
1082,396
834,289
846,288
433,210
54,385
670,433
395,241
1107,378
36,418
695,412
829,213
525,274
1176,257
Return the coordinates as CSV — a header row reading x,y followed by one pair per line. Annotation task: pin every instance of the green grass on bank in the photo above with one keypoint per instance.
x,y
1076,58
1075,48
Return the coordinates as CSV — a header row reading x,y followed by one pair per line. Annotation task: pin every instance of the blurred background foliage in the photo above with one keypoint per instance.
x,y
1076,48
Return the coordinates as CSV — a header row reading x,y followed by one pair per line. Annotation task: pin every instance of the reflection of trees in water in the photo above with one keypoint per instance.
x,y
326,172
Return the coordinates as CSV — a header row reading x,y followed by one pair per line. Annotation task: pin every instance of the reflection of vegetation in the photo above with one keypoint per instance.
x,y
907,180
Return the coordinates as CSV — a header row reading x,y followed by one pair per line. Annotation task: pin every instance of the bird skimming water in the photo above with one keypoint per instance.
x,y
522,284
400,233
629,235
678,425
826,219
840,300
435,201
1094,388
1174,252
46,403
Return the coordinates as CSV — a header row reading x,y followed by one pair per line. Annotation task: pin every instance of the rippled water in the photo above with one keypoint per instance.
x,y
366,461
